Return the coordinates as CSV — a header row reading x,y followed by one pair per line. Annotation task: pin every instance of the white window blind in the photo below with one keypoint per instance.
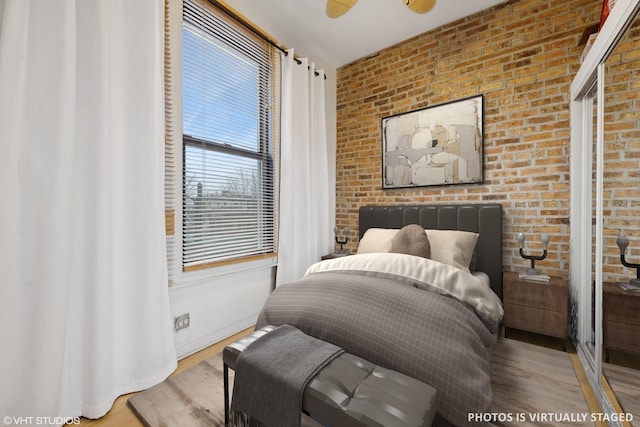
x,y
228,172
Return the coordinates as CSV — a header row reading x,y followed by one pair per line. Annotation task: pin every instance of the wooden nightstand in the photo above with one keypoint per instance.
x,y
332,256
621,319
536,307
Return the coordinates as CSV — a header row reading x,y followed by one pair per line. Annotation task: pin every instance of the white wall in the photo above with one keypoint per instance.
x,y
226,300
220,302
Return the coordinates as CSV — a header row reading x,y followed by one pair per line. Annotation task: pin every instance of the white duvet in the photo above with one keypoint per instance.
x,y
446,279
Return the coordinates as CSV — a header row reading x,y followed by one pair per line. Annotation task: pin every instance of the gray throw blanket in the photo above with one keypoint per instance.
x,y
271,375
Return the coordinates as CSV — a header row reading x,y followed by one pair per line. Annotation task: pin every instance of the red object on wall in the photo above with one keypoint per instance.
x,y
605,13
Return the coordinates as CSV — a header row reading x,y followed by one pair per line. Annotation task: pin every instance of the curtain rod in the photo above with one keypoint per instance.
x,y
229,11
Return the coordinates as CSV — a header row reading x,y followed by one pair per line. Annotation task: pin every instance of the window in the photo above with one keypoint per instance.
x,y
228,173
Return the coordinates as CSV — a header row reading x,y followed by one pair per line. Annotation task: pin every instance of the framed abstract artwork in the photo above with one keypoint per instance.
x,y
436,145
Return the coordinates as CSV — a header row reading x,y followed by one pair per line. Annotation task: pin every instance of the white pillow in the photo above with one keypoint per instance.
x,y
377,240
452,247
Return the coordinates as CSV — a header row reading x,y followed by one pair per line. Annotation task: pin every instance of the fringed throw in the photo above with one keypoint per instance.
x,y
271,375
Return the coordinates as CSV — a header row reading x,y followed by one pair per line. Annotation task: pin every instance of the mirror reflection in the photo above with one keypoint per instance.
x,y
621,219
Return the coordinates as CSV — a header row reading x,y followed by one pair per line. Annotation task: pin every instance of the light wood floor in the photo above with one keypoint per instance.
x,y
625,383
556,384
535,376
121,415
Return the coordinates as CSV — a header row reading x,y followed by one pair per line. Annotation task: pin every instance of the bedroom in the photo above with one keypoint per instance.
x,y
526,143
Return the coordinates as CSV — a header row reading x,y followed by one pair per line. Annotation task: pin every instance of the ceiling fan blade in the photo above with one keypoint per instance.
x,y
336,8
420,6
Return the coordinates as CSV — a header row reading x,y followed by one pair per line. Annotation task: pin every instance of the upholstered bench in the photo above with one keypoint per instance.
x,y
352,392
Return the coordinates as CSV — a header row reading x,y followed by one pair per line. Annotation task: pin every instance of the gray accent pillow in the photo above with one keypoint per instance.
x,y
412,240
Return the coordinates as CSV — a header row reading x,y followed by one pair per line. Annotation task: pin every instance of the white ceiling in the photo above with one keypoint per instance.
x,y
368,27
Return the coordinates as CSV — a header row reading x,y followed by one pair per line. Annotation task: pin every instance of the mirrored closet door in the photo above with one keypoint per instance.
x,y
605,207
621,219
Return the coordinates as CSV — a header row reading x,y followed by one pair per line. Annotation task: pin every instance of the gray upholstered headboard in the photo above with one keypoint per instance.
x,y
485,219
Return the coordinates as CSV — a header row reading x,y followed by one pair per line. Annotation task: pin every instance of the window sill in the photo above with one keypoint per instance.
x,y
216,264
203,274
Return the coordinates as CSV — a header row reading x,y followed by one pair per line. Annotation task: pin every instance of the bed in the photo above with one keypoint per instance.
x,y
434,318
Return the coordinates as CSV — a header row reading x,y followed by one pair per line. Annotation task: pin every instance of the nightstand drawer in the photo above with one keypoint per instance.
x,y
622,336
536,307
539,295
621,319
546,322
622,308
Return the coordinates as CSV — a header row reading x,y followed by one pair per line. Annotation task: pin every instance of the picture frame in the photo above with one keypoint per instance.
x,y
436,145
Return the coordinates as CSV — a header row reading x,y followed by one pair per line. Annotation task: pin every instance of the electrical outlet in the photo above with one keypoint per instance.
x,y
181,322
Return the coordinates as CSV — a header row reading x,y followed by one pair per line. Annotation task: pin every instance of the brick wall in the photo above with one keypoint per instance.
x,y
522,56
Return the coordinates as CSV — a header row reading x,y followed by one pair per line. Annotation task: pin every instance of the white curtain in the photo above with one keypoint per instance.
x,y
85,306
306,217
